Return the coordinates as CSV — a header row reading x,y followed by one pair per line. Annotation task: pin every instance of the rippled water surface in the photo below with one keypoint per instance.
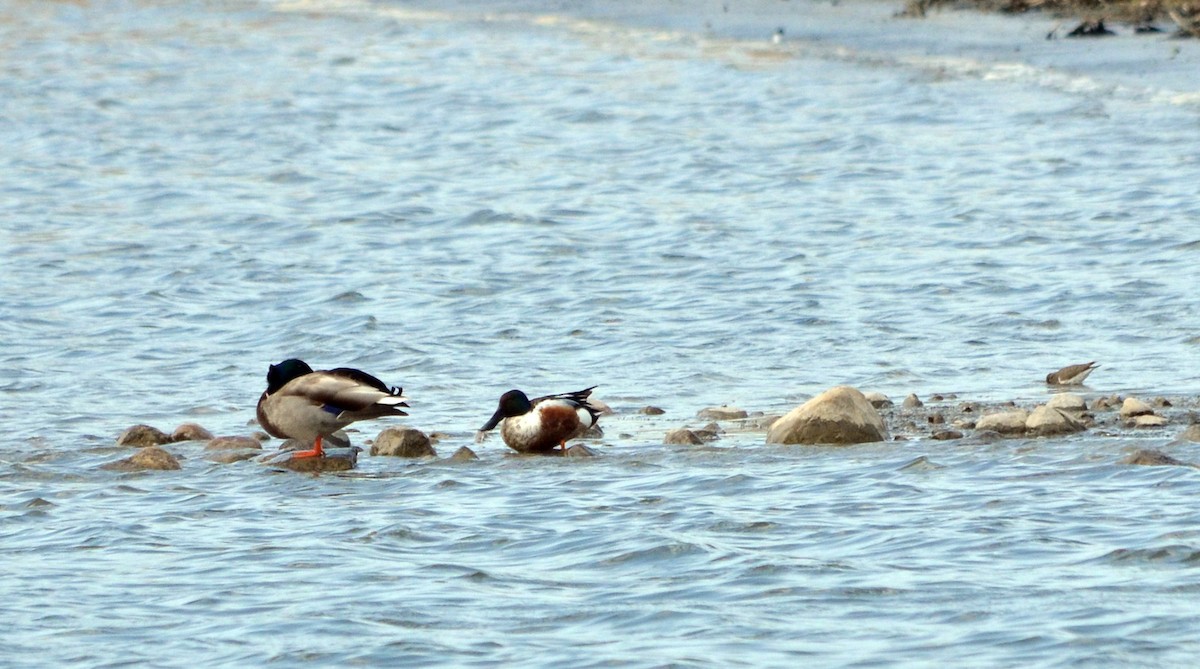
x,y
193,190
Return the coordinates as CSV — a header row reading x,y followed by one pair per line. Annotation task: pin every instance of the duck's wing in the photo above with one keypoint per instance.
x,y
354,396
579,399
359,376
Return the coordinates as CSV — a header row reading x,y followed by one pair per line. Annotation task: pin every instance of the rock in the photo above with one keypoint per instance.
x,y
1102,403
1132,406
944,435
149,457
232,443
463,454
840,415
142,436
580,451
878,400
1068,402
1149,420
1046,421
722,413
191,432
404,442
936,397
912,402
935,419
600,406
1192,433
435,437
683,436
230,456
1008,422
593,432
334,460
261,436
968,407
1154,458
963,424
1162,402
651,411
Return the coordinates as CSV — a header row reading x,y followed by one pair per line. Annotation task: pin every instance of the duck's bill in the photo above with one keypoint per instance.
x,y
493,421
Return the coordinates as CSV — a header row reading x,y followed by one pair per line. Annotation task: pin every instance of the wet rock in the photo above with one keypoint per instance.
x,y
968,407
435,437
148,458
936,397
710,432
651,411
142,436
1161,402
1008,422
464,454
722,413
1154,458
985,437
404,442
963,424
191,432
593,432
683,436
1103,403
334,460
230,456
840,415
935,419
580,451
1046,421
878,400
232,443
946,435
912,402
1068,402
1192,433
1149,420
261,436
1132,406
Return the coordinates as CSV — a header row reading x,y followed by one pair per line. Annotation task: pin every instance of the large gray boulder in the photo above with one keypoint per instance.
x,y
841,416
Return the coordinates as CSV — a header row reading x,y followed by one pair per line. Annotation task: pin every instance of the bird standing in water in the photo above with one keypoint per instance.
x,y
538,425
309,406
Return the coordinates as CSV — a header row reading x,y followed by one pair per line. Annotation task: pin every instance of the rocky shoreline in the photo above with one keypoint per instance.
x,y
1144,15
840,416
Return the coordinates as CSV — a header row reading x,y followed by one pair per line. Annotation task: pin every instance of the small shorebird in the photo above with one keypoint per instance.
x,y
1072,375
310,406
777,38
538,425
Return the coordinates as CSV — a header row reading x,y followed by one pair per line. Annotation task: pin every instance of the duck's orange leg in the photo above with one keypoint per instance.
x,y
315,452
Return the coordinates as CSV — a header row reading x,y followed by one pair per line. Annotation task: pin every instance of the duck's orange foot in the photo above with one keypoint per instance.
x,y
315,452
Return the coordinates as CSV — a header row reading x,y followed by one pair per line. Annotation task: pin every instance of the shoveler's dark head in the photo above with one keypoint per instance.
x,y
512,403
279,375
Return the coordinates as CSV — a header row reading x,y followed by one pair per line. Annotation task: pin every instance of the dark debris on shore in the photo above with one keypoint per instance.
x,y
1141,14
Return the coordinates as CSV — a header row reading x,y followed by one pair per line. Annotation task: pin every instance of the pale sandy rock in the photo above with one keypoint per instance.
x,y
1008,422
1132,406
878,400
1149,420
722,413
191,432
840,415
149,457
1046,420
912,402
142,436
1068,402
404,442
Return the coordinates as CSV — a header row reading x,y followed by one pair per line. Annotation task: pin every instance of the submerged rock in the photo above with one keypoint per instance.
x,y
142,436
191,432
946,435
1154,458
463,454
722,413
1192,433
580,451
149,457
1046,420
404,442
682,436
1008,422
651,411
840,416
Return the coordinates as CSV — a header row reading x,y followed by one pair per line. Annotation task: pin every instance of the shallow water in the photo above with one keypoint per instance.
x,y
460,206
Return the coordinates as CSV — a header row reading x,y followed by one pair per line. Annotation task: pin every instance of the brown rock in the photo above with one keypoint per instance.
x,y
191,432
149,457
142,436
683,436
935,419
722,413
651,411
840,415
945,435
404,442
334,460
1154,458
464,454
232,443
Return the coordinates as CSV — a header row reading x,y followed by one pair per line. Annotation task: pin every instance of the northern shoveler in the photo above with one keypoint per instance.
x,y
1072,375
539,425
310,406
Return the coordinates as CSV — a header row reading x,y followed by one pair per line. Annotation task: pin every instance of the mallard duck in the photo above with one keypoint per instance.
x,y
309,406
538,425
1071,375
